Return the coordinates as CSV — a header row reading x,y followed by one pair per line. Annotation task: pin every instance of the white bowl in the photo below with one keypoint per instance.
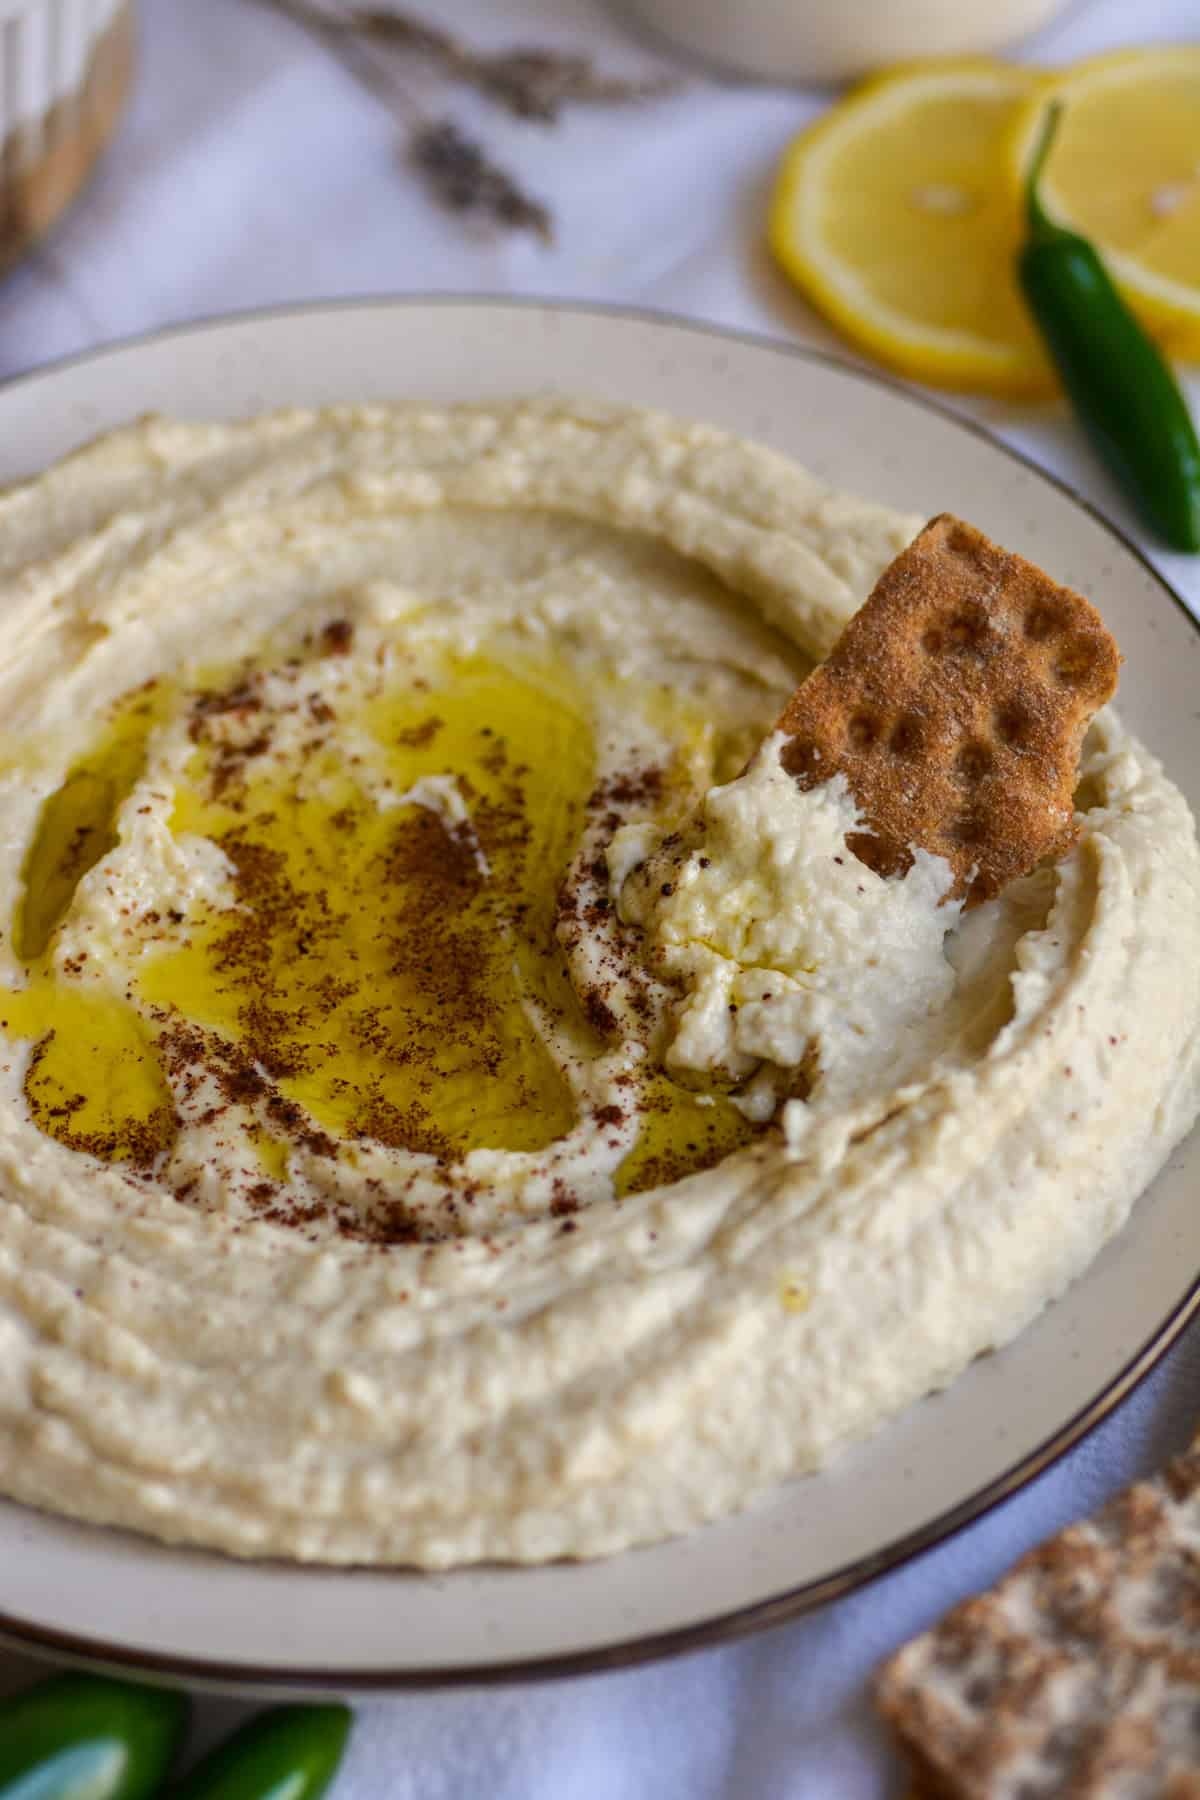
x,y
820,41
117,1598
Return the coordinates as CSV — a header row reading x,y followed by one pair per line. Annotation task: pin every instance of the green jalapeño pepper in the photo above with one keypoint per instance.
x,y
1119,384
288,1753
84,1737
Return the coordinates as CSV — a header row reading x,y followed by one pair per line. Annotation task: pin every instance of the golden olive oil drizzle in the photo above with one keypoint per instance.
x,y
372,974
93,1080
679,1133
384,971
77,823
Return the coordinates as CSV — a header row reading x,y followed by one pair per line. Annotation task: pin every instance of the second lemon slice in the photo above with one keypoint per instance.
x,y
1125,171
893,215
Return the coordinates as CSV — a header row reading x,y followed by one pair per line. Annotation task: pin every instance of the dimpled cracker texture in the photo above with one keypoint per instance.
x,y
955,704
1077,1677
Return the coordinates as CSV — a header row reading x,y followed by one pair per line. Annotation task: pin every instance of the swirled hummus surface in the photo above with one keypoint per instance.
x,y
458,1098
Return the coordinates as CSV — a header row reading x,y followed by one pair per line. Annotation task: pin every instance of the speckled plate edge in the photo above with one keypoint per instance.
x,y
231,1676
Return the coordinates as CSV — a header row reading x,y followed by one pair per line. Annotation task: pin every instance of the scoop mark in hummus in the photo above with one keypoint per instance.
x,y
803,973
801,908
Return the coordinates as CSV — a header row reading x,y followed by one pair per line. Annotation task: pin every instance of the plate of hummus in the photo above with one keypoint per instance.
x,y
499,1173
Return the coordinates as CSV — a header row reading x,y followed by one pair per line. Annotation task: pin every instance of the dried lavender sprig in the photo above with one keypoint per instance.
x,y
529,81
462,176
459,172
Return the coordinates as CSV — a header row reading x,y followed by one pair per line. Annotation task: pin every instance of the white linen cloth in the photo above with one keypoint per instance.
x,y
253,170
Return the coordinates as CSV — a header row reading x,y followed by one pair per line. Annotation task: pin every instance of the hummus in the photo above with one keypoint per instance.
x,y
458,1098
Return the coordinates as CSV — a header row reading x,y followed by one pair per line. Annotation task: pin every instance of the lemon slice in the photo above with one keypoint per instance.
x,y
895,216
1125,171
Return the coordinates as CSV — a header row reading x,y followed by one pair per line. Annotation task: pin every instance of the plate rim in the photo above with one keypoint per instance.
x,y
776,1609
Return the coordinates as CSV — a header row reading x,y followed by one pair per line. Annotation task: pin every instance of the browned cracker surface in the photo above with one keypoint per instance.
x,y
955,704
1077,1677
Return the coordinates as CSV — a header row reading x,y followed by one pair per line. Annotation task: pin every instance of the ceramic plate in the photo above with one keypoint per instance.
x,y
118,1598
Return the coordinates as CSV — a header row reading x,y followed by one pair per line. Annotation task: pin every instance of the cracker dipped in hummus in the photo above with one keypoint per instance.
x,y
470,1085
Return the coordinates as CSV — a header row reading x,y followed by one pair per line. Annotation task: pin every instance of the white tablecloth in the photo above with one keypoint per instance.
x,y
251,171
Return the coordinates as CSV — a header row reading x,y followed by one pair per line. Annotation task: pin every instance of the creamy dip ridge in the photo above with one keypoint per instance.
x,y
414,1146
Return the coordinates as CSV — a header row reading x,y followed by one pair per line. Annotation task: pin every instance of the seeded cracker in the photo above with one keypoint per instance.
x,y
955,703
1078,1676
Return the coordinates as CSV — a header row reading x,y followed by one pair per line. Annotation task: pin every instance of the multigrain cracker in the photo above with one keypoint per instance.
x,y
955,703
1078,1674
